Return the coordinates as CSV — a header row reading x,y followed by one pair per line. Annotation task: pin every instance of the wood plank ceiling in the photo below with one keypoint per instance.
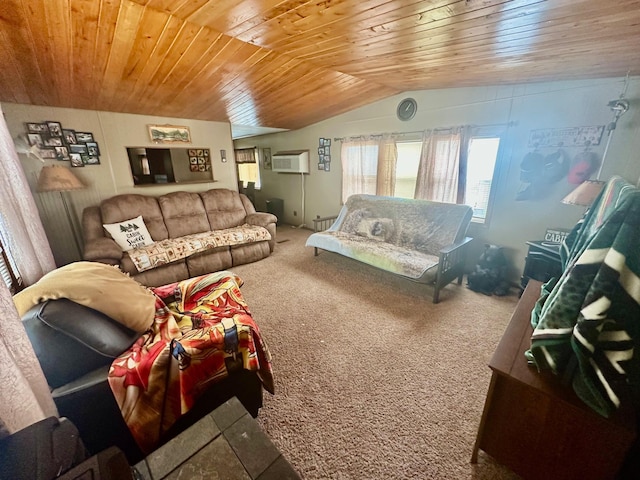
x,y
288,64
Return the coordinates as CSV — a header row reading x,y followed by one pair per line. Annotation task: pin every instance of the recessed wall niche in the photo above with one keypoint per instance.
x,y
152,165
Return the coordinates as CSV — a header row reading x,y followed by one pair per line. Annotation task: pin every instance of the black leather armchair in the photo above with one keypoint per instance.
x,y
76,345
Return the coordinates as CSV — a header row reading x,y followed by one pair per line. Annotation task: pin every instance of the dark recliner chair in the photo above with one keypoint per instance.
x,y
75,346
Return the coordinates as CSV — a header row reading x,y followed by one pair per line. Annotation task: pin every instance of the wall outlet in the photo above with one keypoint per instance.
x,y
295,213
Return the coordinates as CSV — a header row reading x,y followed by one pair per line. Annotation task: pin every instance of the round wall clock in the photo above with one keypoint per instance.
x,y
407,109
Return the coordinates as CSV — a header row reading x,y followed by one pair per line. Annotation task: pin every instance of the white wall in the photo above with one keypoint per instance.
x,y
525,107
113,132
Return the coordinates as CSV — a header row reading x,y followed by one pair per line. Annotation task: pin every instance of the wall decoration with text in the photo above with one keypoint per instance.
x,y
566,137
57,143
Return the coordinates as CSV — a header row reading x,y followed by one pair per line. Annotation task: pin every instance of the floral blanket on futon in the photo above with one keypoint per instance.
x,y
200,324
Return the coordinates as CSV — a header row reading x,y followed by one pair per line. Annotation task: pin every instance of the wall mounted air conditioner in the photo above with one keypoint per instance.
x,y
295,161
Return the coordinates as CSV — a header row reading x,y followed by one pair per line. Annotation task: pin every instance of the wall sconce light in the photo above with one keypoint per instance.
x,y
223,156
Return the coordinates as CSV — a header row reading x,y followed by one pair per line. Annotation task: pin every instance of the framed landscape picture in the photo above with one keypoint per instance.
x,y
169,134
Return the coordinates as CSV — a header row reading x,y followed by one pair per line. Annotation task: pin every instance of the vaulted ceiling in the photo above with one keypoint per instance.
x,y
288,64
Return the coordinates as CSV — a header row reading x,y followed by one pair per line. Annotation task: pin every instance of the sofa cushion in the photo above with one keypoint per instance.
x,y
213,260
123,207
71,340
224,208
130,233
183,214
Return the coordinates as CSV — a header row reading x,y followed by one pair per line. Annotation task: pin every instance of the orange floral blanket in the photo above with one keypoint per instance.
x,y
200,324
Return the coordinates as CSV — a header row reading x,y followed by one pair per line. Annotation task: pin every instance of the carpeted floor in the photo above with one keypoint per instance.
x,y
373,381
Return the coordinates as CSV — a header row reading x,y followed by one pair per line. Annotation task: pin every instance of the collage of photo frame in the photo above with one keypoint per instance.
x,y
199,159
57,143
324,154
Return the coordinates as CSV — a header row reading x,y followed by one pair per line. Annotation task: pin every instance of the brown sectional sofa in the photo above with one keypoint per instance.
x,y
172,216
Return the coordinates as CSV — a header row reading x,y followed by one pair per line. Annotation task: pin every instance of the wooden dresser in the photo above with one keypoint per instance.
x,y
536,425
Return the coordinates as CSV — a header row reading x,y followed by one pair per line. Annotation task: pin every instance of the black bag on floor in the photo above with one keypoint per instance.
x,y
489,276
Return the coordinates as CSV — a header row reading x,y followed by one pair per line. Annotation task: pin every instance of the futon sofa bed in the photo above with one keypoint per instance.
x,y
421,240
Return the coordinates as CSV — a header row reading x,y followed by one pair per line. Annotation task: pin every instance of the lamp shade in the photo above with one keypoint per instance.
x,y
54,178
585,193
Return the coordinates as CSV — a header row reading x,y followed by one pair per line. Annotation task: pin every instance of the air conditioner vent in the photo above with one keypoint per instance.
x,y
296,161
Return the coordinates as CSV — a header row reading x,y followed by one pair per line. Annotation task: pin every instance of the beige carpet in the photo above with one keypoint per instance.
x,y
373,381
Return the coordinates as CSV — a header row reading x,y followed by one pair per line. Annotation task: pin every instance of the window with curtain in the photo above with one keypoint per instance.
x,y
439,176
247,165
482,156
368,166
453,165
8,269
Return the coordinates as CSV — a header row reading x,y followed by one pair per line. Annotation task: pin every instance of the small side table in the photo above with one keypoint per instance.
x,y
542,262
227,443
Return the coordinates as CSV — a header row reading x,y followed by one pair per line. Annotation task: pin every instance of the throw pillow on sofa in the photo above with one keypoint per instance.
x,y
129,234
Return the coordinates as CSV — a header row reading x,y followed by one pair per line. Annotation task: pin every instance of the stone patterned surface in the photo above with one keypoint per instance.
x,y
227,444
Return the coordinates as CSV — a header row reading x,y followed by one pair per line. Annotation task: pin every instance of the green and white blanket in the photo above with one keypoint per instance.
x,y
591,315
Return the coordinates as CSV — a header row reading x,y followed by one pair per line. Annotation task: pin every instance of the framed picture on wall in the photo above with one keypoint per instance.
x,y
33,127
93,149
169,134
62,153
76,160
80,148
35,139
84,137
55,129
69,136
266,158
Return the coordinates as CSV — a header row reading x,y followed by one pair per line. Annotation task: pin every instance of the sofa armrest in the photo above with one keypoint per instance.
x,y
461,244
104,250
261,219
70,339
452,259
320,224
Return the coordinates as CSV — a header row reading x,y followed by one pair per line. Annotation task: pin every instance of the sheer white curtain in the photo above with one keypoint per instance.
x,y
24,393
387,162
359,160
439,169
